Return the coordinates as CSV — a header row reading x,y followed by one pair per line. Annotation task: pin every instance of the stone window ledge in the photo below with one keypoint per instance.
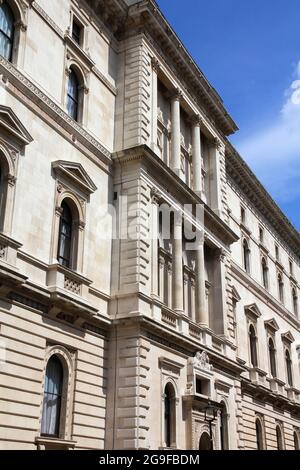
x,y
49,443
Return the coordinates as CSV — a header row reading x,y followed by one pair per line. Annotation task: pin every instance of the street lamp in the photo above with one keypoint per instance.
x,y
210,415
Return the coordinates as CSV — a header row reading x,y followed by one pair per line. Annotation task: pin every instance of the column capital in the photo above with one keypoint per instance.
x,y
156,196
155,64
215,142
176,95
220,255
161,260
196,120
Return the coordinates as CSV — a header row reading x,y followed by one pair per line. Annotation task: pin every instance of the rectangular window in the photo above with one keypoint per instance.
x,y
261,234
277,252
77,32
291,267
243,215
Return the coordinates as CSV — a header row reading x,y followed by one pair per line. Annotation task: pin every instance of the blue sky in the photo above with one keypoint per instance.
x,y
250,51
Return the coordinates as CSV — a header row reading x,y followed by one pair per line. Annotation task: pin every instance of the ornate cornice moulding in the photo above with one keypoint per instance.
x,y
244,178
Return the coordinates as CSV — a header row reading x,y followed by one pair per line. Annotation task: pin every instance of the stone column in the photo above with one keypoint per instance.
x,y
155,69
201,308
186,293
162,278
169,283
215,177
154,245
176,139
193,298
197,155
177,264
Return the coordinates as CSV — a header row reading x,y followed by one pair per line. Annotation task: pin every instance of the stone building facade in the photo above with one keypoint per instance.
x,y
114,333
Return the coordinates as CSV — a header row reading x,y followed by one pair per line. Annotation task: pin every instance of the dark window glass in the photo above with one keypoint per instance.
x,y
279,438
289,368
169,418
52,398
265,273
73,96
259,435
295,302
224,428
246,251
296,441
272,355
6,31
76,32
65,236
253,347
281,288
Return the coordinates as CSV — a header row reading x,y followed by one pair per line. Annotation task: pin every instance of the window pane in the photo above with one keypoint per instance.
x,y
73,94
52,397
65,236
76,32
6,31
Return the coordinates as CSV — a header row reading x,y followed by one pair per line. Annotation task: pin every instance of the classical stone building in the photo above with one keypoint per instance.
x,y
113,333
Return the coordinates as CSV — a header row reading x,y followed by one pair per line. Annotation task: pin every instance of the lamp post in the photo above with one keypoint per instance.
x,y
210,415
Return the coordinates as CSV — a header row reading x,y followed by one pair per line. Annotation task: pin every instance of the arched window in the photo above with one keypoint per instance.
x,y
295,301
170,416
272,357
52,398
265,273
6,30
296,441
73,96
259,435
205,442
6,191
246,256
65,236
224,427
280,288
279,438
288,364
253,346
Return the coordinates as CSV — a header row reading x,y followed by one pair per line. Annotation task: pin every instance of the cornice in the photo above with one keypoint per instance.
x,y
212,220
185,345
35,95
146,16
266,395
245,179
264,296
41,12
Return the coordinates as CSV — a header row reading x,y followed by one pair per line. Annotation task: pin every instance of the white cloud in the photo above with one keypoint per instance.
x,y
274,151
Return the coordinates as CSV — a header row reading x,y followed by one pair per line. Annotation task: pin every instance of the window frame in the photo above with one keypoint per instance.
x,y
288,367
56,433
6,5
279,437
265,272
272,357
246,256
67,359
170,428
253,348
260,433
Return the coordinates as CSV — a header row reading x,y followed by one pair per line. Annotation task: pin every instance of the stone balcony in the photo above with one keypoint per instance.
x,y
69,292
258,376
276,385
